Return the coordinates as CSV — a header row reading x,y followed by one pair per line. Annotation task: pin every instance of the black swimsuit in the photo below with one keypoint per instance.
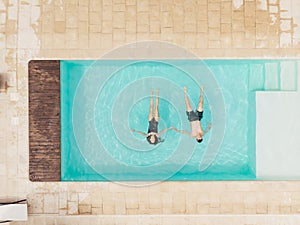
x,y
153,124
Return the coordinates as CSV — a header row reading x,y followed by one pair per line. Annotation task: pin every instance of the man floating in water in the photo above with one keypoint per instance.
x,y
195,117
153,137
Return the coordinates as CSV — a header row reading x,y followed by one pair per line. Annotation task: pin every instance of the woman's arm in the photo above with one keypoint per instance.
x,y
165,130
139,132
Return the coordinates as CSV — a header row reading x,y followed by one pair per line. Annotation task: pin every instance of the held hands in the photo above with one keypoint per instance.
x,y
172,128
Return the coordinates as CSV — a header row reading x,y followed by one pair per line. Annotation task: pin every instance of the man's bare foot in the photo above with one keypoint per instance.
x,y
185,89
202,89
151,92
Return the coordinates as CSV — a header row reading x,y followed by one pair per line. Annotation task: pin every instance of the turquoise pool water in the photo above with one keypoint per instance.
x,y
102,100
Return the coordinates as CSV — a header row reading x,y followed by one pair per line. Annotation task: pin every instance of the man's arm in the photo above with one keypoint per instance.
x,y
139,132
207,129
182,131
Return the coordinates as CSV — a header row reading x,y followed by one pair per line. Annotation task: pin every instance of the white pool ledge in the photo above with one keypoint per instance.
x,y
13,212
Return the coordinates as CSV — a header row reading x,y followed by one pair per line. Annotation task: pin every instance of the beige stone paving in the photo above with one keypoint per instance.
x,y
163,219
87,29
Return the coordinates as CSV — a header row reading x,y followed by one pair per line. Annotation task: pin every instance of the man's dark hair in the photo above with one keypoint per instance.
x,y
199,140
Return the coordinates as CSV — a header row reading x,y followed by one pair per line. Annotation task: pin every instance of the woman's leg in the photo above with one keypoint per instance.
x,y
156,106
150,116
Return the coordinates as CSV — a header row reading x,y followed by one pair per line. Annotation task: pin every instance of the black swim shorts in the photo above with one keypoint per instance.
x,y
194,115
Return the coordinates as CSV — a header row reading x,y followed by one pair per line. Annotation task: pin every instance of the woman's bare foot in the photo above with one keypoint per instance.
x,y
151,92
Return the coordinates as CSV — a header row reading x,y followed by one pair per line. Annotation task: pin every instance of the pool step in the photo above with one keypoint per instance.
x,y
273,76
272,79
288,76
256,79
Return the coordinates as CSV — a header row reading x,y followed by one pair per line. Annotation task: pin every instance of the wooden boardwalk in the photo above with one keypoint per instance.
x,y
44,120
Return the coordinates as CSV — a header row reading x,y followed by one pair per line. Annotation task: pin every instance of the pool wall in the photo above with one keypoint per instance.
x,y
252,133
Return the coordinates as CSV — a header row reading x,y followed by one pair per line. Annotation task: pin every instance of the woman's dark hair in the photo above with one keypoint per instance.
x,y
156,139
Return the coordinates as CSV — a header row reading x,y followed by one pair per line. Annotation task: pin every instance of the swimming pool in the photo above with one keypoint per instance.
x,y
102,100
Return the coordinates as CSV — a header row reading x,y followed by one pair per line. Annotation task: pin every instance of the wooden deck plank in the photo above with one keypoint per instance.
x,y
44,120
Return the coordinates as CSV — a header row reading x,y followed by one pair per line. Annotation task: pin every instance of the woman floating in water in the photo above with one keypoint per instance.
x,y
153,137
195,117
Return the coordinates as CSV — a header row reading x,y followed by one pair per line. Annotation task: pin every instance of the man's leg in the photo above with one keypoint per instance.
x,y
200,104
156,106
151,106
187,101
